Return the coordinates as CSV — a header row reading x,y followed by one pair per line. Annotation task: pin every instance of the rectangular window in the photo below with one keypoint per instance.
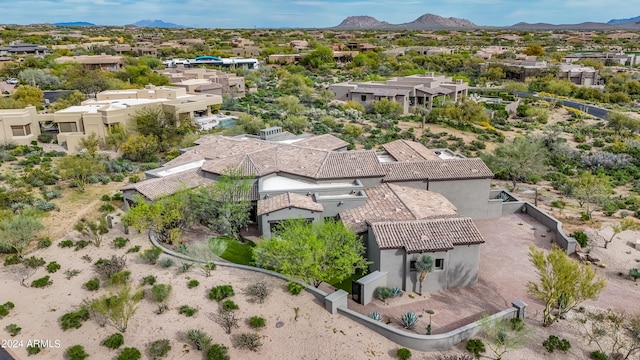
x,y
17,130
412,265
439,264
66,127
27,129
363,97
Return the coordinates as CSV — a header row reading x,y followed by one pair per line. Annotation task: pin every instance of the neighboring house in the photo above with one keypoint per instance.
x,y
206,81
115,107
102,62
422,50
409,91
579,74
19,126
18,48
431,198
607,58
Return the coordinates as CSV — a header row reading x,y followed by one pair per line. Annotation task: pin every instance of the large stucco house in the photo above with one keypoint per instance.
x,y
116,107
409,91
19,126
403,201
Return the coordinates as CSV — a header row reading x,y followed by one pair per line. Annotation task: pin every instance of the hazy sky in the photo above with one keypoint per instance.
x,y
310,13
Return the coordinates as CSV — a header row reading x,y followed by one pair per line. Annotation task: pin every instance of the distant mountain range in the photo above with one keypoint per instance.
x,y
424,22
435,22
141,23
157,24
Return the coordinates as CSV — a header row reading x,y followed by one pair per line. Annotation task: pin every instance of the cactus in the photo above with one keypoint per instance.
x,y
396,292
376,316
409,320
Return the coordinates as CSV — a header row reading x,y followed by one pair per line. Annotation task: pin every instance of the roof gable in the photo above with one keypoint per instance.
x,y
288,200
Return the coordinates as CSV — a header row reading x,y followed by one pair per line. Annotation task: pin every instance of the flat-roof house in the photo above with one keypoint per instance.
x,y
409,91
19,48
102,62
115,107
19,126
403,201
206,81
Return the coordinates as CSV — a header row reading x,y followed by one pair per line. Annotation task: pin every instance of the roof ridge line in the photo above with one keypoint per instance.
x,y
324,161
415,217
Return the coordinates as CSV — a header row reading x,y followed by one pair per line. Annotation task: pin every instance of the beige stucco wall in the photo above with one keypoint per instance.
x,y
18,117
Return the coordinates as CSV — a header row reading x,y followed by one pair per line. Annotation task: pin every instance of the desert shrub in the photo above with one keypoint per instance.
x,y
12,260
476,347
403,353
33,262
229,305
217,352
120,242
184,267
53,267
455,357
71,273
598,355
383,292
108,267
81,244
129,353
33,350
92,285
133,249
107,208
74,320
257,292
166,262
13,329
45,138
44,243
294,288
148,280
158,349
187,310
249,341
606,160
105,197
119,278
193,283
42,282
409,320
221,292
634,274
553,342
160,292
117,196
256,322
208,268
114,341
581,238
227,319
76,352
517,324
151,255
199,338
4,309
65,243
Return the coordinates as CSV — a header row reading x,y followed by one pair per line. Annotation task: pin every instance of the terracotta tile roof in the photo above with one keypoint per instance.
x,y
288,200
437,170
322,142
351,164
158,187
417,236
405,150
390,202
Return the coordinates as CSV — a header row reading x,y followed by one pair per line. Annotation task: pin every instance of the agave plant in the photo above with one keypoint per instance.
x,y
376,316
409,320
396,292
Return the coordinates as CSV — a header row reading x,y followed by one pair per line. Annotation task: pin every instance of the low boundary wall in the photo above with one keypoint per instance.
x,y
410,340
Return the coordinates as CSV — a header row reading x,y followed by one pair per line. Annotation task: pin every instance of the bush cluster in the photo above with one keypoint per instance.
x,y
114,341
257,292
74,320
221,292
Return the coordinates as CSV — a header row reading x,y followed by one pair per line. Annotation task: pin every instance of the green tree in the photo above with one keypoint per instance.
x,y
424,265
290,105
563,283
29,95
621,226
313,253
116,136
534,50
519,160
591,190
138,147
74,98
623,124
352,130
17,231
295,123
615,333
320,57
79,168
250,124
40,78
385,106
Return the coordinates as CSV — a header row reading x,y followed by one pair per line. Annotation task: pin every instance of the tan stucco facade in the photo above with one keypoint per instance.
x,y
19,126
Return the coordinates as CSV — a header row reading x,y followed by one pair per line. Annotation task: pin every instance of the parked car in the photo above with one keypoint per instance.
x,y
12,81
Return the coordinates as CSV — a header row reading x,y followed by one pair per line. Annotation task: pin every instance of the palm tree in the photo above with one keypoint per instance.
x,y
424,266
